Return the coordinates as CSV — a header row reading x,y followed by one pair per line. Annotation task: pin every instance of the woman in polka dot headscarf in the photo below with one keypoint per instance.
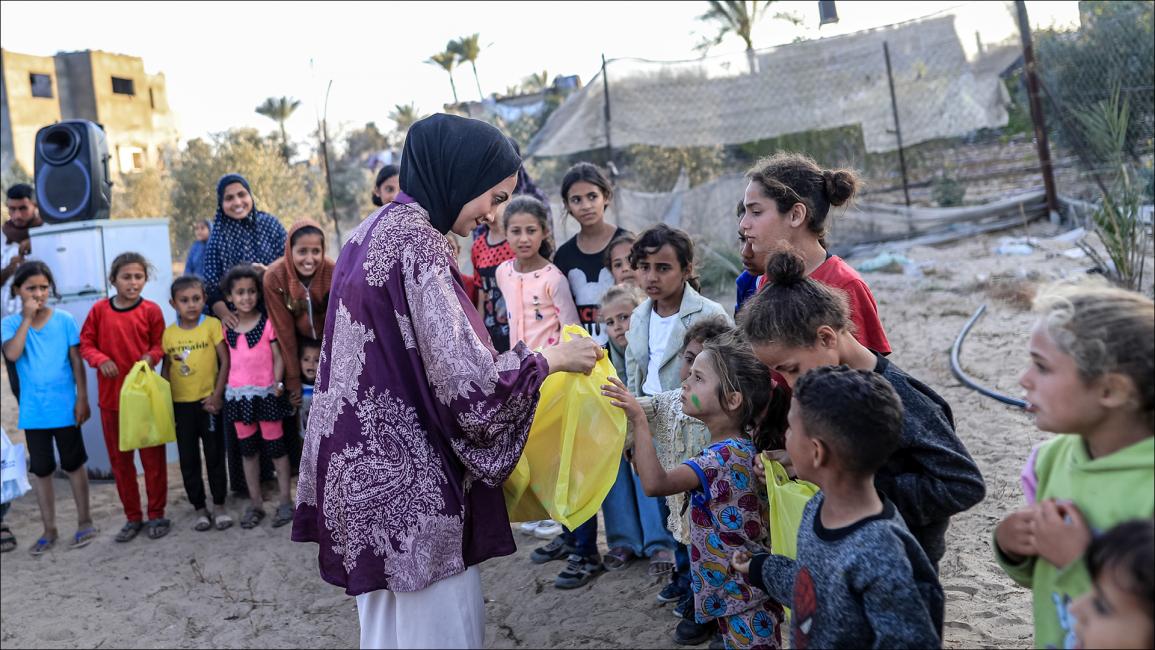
x,y
241,234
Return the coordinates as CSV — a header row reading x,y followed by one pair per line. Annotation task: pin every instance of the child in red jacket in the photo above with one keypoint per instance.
x,y
118,332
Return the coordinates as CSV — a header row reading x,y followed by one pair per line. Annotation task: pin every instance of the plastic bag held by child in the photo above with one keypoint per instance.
x,y
571,457
146,415
787,501
13,469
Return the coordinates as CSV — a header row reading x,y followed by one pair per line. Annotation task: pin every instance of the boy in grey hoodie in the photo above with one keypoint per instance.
x,y
861,579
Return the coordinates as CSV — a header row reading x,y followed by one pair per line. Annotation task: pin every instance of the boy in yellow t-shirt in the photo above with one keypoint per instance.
x,y
196,364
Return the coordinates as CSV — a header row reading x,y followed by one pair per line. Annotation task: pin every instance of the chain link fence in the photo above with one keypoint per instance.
x,y
932,113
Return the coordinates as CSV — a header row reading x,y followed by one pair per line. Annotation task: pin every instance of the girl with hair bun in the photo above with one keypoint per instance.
x,y
787,203
795,324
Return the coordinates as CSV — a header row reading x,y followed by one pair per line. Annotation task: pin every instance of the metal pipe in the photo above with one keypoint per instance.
x,y
897,128
1036,102
967,380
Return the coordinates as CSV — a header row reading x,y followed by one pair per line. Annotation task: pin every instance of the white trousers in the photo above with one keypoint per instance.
x,y
449,613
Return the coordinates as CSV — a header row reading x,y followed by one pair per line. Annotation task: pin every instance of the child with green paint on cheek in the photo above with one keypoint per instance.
x,y
733,395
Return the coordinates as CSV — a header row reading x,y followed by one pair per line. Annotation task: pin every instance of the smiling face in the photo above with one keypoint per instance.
x,y
586,203
188,303
481,209
620,264
1058,396
662,275
616,317
129,281
1109,616
525,234
244,296
236,202
387,190
36,288
763,225
307,253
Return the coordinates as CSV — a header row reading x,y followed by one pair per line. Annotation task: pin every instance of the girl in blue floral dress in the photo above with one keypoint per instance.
x,y
733,394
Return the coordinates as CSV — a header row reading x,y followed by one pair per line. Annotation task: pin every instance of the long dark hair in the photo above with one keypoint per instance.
x,y
789,178
655,237
384,174
791,307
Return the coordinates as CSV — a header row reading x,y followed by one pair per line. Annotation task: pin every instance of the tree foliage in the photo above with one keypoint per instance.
x,y
447,60
146,194
467,49
279,109
1114,48
290,192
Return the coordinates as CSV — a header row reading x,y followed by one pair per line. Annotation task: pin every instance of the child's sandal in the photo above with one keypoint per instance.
x,y
204,522
252,518
224,521
129,531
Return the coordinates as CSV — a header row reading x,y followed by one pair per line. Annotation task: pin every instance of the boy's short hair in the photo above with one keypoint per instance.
x,y
306,342
704,329
856,413
184,282
1127,551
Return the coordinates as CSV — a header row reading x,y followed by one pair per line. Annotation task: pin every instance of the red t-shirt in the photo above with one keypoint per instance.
x,y
122,336
863,309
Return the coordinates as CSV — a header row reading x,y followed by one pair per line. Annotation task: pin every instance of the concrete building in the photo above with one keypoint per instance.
x,y
112,90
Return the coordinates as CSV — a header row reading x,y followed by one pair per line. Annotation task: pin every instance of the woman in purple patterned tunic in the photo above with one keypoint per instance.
x,y
416,420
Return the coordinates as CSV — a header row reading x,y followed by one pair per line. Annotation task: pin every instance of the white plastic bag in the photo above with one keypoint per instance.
x,y
13,469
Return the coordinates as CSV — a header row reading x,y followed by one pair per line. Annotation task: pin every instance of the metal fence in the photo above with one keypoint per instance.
x,y
931,113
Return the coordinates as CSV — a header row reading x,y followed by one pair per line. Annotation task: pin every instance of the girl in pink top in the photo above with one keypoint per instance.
x,y
537,295
255,395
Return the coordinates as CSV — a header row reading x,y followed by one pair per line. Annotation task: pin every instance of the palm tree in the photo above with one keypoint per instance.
x,y
467,48
536,82
279,109
404,115
738,17
447,60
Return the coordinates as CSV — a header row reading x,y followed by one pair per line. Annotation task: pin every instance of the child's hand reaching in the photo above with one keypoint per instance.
x,y
1060,533
621,397
1015,533
740,561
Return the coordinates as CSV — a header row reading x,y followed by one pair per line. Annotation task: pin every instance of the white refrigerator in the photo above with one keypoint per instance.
x,y
79,255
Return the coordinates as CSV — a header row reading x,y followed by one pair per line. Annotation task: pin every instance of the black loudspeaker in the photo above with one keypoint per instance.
x,y
72,181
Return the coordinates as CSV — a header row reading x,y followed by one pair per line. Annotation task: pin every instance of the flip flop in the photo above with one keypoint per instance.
x,y
661,563
129,531
618,558
7,539
158,528
42,546
83,537
284,515
252,518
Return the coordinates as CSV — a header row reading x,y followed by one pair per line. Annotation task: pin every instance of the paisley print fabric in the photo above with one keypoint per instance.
x,y
416,420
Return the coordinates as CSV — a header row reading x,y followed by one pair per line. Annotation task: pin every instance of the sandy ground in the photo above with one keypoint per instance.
x,y
255,589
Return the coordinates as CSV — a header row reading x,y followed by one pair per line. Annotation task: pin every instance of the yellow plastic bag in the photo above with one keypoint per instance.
x,y
146,417
573,451
787,501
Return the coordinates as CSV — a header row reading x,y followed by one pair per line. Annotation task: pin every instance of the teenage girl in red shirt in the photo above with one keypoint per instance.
x,y
787,203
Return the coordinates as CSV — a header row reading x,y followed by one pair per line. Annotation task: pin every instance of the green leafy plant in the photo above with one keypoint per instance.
x,y
1117,222
947,191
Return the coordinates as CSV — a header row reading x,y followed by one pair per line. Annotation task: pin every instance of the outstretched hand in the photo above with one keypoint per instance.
x,y
622,398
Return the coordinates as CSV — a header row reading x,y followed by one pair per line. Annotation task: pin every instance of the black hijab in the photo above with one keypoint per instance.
x,y
448,161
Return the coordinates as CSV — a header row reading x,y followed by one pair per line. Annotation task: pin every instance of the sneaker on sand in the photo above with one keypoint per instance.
x,y
547,529
671,593
579,571
690,633
528,526
555,550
